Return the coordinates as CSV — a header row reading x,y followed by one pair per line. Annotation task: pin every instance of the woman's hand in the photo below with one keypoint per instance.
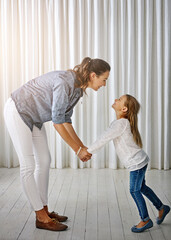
x,y
70,137
84,155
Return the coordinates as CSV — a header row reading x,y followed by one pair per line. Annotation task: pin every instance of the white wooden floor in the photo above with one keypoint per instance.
x,y
97,203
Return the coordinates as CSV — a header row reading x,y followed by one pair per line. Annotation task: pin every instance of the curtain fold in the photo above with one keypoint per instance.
x,y
133,36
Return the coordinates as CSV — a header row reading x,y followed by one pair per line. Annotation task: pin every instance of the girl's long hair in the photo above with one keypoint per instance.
x,y
133,108
87,66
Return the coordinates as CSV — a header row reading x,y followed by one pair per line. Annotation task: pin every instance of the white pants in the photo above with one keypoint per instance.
x,y
34,157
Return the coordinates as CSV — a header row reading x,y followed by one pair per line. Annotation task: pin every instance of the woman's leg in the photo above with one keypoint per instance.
x,y
136,179
22,140
42,160
21,137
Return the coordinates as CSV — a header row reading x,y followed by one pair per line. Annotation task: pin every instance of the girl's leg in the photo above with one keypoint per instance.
x,y
148,192
163,209
136,179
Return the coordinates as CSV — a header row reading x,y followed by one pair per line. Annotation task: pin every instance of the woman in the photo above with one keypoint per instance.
x,y
50,97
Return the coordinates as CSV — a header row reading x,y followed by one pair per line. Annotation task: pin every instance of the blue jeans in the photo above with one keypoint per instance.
x,y
137,188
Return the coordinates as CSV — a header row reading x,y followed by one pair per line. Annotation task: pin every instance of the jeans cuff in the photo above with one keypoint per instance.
x,y
145,219
162,206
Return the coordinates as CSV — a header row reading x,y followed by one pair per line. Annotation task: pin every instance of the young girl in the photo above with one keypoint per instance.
x,y
127,140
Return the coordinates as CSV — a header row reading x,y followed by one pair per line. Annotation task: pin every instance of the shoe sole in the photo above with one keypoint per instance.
x,y
51,229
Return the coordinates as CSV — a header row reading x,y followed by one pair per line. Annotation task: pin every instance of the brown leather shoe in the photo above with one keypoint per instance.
x,y
58,217
52,226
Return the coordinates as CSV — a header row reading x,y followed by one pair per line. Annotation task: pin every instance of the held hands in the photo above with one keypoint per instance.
x,y
84,155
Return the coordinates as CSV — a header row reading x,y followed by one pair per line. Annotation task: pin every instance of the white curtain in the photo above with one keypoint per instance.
x,y
38,36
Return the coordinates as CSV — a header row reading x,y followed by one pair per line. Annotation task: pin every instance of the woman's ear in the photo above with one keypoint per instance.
x,y
92,75
124,109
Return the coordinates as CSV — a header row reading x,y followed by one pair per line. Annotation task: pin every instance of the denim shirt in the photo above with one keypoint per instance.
x,y
51,96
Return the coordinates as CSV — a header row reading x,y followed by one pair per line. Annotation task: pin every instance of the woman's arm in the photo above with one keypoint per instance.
x,y
73,134
67,132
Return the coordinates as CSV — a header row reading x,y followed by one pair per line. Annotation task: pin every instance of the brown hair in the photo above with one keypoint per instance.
x,y
133,108
88,66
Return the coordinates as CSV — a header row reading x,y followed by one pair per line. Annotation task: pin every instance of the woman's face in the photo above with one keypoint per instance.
x,y
97,82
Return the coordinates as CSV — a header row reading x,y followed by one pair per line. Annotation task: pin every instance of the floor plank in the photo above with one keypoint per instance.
x,y
114,211
97,202
92,209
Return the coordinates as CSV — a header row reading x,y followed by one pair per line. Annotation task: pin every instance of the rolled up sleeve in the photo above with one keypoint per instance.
x,y
60,104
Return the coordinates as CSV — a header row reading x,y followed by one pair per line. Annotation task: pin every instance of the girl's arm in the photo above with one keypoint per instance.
x,y
115,130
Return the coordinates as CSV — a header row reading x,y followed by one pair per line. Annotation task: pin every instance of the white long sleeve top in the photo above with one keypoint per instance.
x,y
130,154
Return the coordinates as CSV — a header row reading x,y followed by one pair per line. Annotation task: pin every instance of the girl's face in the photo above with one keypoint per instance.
x,y
119,104
97,82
